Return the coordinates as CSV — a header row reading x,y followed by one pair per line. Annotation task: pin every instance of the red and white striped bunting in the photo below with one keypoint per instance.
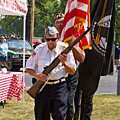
x,y
11,84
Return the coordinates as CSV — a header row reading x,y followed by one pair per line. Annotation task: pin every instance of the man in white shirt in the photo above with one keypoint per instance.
x,y
52,99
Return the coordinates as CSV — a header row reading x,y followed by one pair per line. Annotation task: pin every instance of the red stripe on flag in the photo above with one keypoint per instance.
x,y
72,14
84,1
68,33
68,16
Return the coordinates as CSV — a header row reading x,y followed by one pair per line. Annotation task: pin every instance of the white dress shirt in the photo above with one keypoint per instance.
x,y
42,56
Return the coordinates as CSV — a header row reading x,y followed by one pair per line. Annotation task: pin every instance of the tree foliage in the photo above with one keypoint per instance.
x,y
91,4
63,5
44,15
9,24
117,21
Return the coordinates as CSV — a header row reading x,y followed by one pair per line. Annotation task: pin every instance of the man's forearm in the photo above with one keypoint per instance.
x,y
38,76
78,55
31,72
69,69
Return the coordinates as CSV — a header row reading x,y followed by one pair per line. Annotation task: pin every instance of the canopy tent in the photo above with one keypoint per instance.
x,y
13,7
18,8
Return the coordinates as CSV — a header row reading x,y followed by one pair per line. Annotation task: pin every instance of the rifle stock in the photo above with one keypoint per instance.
x,y
37,86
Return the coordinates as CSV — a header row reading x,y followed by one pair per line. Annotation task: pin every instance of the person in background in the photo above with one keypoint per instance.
x,y
3,51
71,79
53,98
117,53
58,22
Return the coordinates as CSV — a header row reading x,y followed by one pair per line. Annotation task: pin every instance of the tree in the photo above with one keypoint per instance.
x,y
92,2
45,11
117,21
62,5
10,24
28,20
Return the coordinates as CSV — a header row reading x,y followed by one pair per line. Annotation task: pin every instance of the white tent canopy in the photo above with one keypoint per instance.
x,y
18,8
13,7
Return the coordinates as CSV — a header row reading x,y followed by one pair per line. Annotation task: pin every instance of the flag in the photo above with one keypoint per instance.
x,y
76,21
103,21
108,66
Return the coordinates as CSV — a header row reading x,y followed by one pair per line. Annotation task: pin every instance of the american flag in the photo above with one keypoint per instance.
x,y
76,21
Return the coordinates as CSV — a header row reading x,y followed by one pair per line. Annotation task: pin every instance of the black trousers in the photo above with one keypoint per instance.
x,y
52,99
88,106
77,104
72,87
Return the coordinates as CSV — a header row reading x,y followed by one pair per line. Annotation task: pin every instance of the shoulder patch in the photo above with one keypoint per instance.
x,y
33,54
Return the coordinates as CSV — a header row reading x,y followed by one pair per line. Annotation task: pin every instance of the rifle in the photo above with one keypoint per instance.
x,y
38,85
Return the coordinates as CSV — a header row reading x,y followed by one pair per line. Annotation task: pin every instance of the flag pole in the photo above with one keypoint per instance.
x,y
24,23
32,24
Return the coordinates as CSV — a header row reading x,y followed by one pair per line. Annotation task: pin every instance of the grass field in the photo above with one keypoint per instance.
x,y
106,107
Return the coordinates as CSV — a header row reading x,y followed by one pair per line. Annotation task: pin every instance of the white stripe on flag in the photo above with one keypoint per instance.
x,y
75,4
69,24
82,6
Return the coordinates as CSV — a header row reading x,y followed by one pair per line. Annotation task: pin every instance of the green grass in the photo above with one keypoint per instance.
x,y
16,110
106,107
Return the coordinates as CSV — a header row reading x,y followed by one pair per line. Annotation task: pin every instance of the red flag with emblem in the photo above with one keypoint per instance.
x,y
76,21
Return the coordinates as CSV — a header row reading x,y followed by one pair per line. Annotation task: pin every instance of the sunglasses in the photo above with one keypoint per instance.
x,y
52,39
